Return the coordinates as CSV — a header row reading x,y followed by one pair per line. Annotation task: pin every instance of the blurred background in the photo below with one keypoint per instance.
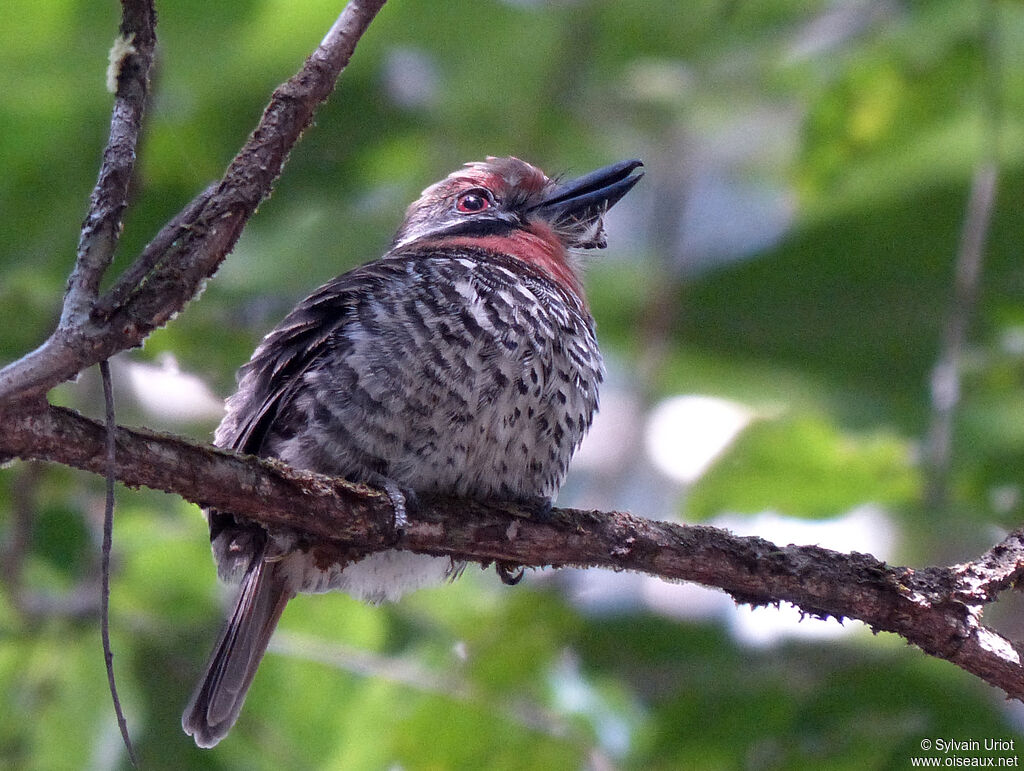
x,y
778,312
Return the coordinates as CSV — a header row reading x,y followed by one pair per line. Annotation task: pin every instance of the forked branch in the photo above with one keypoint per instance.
x,y
171,272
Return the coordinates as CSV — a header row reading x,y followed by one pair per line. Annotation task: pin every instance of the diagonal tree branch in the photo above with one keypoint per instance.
x,y
149,295
938,609
208,235
59,358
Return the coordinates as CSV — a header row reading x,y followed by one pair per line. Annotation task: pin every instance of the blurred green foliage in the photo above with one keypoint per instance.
x,y
828,331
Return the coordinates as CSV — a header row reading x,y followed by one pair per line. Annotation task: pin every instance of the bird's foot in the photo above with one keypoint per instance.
x,y
401,502
540,509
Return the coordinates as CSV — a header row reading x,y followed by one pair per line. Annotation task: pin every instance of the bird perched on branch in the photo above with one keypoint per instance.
x,y
462,362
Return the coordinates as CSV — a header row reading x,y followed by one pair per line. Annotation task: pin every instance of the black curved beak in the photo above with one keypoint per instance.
x,y
580,204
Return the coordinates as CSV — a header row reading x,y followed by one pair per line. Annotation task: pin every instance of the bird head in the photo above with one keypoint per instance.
x,y
507,205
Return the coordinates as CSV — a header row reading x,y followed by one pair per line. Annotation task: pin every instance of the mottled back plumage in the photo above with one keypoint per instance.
x,y
462,362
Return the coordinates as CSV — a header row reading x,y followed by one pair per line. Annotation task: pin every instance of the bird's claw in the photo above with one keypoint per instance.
x,y
509,574
400,503
542,511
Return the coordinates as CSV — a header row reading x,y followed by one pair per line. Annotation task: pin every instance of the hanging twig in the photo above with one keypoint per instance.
x,y
108,537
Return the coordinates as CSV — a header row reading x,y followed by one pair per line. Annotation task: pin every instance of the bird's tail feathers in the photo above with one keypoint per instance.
x,y
218,699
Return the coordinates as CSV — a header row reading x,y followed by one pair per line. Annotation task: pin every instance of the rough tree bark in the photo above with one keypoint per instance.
x,y
939,609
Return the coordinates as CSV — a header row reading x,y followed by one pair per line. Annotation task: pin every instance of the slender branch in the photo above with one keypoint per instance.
x,y
207,236
937,608
134,276
130,66
160,285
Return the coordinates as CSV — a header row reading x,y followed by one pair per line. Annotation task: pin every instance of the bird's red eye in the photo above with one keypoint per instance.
x,y
473,201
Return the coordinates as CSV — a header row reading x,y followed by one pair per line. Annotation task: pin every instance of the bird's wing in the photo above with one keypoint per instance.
x,y
275,373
